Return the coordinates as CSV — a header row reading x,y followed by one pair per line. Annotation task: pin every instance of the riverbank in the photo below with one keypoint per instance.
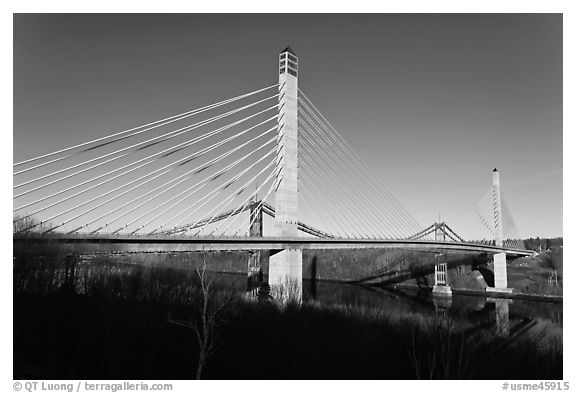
x,y
539,276
66,336
118,323
483,293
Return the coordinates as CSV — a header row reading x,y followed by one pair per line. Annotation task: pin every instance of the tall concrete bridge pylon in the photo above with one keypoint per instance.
x,y
285,269
500,274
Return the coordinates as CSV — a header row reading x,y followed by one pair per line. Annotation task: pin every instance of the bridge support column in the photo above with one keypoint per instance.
x,y
500,275
255,276
441,287
285,275
285,269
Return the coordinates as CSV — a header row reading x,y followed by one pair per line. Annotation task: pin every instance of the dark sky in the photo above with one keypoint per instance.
x,y
431,102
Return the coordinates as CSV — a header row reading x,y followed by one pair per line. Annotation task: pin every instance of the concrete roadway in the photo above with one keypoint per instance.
x,y
123,243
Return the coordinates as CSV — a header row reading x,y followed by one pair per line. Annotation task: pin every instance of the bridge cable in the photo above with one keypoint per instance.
x,y
351,155
330,190
320,216
104,194
189,143
511,228
344,210
336,163
347,168
349,152
337,226
184,177
483,212
358,185
193,188
323,164
163,122
361,173
211,162
334,227
176,228
98,205
325,176
251,220
233,196
245,204
166,136
184,229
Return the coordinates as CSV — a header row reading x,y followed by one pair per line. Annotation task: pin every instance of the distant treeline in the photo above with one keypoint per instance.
x,y
543,243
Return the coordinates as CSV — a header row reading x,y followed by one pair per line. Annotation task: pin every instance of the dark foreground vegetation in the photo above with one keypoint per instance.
x,y
126,321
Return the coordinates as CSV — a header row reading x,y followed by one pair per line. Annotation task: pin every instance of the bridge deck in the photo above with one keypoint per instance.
x,y
188,243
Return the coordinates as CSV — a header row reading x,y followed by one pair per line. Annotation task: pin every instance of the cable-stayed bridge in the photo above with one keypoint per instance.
x,y
262,170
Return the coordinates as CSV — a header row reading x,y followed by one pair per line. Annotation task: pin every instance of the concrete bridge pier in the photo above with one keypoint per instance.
x,y
255,258
441,287
500,273
285,275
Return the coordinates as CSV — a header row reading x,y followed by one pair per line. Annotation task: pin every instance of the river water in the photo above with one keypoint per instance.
x,y
505,316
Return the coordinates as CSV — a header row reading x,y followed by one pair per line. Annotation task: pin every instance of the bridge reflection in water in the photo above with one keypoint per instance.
x,y
503,317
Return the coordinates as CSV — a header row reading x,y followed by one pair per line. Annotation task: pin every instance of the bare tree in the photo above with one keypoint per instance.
x,y
26,225
443,352
287,292
212,309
